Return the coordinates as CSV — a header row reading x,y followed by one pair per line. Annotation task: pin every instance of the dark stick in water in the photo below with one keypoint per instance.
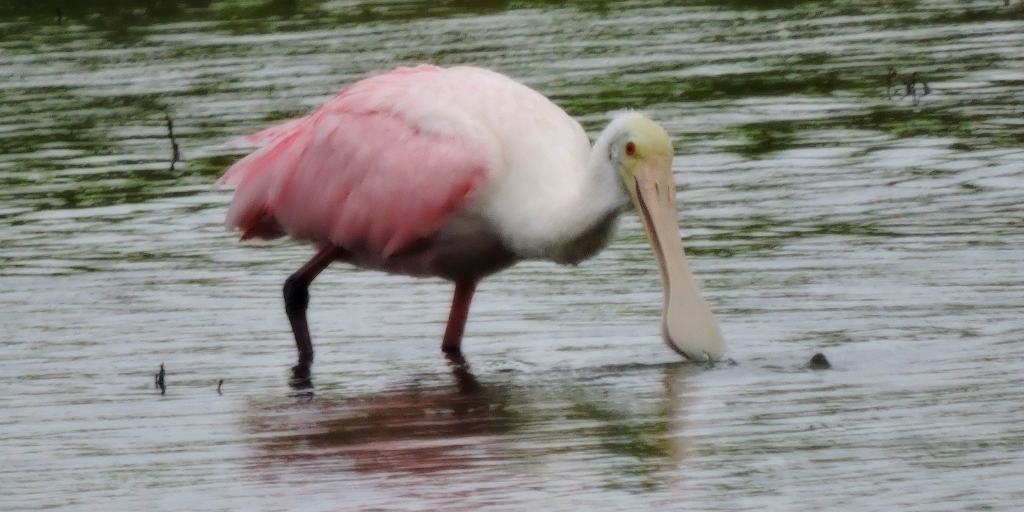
x,y
175,154
160,381
892,76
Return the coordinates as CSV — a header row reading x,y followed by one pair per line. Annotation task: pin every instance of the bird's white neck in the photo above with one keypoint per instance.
x,y
588,220
562,201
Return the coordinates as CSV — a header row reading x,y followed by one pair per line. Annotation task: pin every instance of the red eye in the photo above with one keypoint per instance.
x,y
630,149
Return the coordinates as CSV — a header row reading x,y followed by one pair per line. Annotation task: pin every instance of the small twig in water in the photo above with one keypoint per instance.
x,y
175,154
219,384
912,89
160,381
910,86
889,80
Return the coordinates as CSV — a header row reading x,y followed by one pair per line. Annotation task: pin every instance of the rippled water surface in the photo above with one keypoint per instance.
x,y
821,212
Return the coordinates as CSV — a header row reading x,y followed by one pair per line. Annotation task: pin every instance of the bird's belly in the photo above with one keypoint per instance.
x,y
464,248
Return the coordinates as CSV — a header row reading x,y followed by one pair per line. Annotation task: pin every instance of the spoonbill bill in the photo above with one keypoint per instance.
x,y
459,173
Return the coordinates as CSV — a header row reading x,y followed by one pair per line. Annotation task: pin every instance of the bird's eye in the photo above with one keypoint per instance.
x,y
630,148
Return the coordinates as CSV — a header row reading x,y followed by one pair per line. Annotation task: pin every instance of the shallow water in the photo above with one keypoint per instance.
x,y
821,214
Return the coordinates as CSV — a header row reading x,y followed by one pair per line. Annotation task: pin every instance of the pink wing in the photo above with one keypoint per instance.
x,y
355,173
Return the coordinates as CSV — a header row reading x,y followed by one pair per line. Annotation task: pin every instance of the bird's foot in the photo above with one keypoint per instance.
x,y
464,378
455,359
302,377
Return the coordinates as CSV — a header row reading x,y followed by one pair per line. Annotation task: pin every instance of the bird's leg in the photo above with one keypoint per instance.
x,y
296,300
452,343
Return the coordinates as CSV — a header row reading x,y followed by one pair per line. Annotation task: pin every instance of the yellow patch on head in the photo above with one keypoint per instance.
x,y
650,138
641,141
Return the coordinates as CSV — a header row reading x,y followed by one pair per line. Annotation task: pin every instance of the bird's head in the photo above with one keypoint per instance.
x,y
640,151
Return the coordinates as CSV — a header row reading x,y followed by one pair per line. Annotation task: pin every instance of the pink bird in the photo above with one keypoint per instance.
x,y
460,173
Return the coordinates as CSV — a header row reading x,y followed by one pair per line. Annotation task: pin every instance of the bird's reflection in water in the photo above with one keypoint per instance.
x,y
624,423
414,429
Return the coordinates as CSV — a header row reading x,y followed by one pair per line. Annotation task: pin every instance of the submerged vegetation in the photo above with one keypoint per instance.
x,y
898,121
619,92
119,18
127,125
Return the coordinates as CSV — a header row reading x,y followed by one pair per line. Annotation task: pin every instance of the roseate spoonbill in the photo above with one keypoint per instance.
x,y
459,173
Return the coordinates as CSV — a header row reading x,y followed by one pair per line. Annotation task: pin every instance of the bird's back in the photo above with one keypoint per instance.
x,y
391,158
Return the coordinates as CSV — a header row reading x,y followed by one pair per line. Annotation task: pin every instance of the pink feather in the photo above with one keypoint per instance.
x,y
360,172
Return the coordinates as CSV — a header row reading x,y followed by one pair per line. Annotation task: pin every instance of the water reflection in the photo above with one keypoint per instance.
x,y
513,424
419,429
